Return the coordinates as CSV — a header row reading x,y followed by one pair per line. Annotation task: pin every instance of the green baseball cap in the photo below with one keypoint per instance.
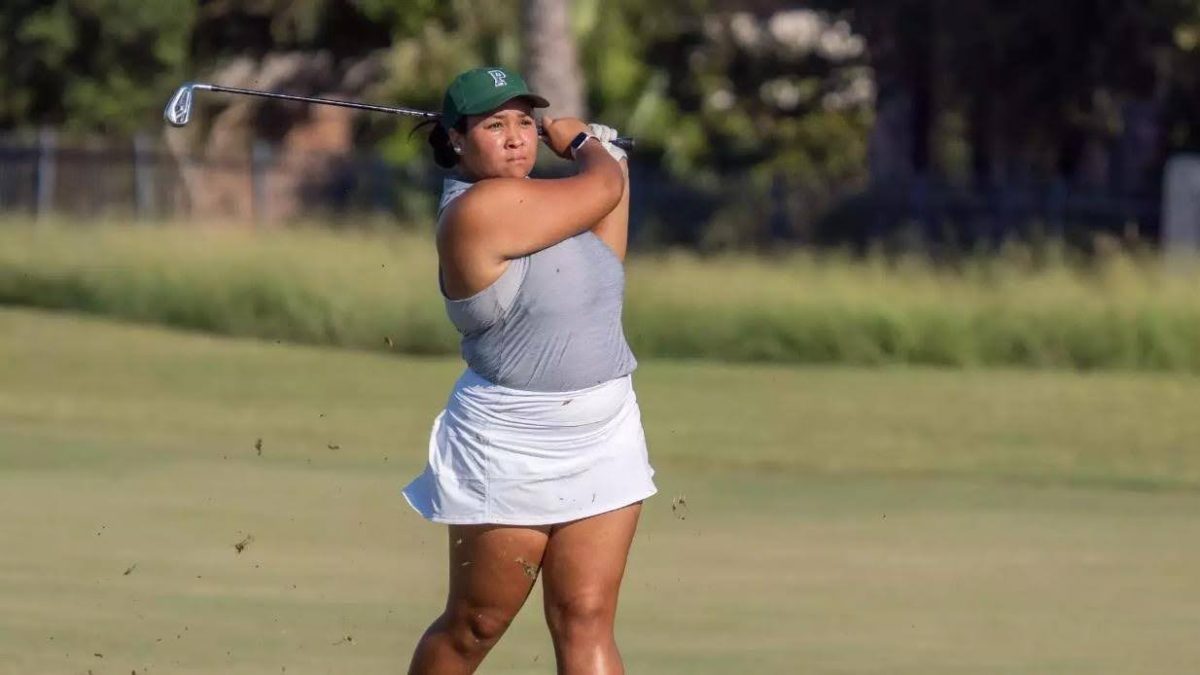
x,y
482,89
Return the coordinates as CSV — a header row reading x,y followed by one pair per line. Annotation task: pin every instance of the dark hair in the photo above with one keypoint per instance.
x,y
439,140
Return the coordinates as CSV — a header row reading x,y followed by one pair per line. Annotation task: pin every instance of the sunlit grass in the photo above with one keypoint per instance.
x,y
897,520
376,289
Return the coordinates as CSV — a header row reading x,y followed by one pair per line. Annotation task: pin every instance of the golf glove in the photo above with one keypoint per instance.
x,y
606,135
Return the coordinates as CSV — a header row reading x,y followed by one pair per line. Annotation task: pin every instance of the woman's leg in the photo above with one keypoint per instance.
x,y
492,569
581,576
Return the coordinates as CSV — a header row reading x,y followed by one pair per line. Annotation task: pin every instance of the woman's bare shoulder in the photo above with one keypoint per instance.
x,y
512,217
494,201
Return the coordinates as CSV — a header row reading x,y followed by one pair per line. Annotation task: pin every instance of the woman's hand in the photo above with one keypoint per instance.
x,y
606,136
560,132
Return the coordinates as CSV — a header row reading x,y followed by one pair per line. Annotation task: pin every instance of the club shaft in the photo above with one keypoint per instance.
x,y
322,101
625,143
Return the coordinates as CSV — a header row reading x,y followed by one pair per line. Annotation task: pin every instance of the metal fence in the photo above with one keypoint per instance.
x,y
142,179
39,176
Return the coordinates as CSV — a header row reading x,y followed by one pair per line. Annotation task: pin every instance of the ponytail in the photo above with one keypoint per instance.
x,y
439,140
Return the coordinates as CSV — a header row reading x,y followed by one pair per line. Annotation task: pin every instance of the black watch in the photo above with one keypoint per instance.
x,y
578,141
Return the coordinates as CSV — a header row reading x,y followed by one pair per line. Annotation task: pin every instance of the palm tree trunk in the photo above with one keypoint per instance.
x,y
550,62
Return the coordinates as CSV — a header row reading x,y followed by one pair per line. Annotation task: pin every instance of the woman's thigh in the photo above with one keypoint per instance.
x,y
493,567
585,561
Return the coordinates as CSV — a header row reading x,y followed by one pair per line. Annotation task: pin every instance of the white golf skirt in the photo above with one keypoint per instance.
x,y
511,457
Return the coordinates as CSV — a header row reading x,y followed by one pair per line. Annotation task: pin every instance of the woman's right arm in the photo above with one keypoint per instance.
x,y
505,218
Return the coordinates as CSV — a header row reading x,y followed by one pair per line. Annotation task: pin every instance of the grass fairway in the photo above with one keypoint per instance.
x,y
836,520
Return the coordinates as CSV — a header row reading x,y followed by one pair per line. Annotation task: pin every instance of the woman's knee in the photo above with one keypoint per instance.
x,y
580,614
475,629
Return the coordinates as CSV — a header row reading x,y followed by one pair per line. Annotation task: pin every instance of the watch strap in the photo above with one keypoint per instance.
x,y
578,141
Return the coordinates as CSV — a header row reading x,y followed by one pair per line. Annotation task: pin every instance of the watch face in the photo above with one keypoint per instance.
x,y
578,142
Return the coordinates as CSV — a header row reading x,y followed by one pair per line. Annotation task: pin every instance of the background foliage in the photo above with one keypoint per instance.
x,y
764,119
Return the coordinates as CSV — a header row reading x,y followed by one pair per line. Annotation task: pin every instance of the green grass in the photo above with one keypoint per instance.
x,y
838,520
377,290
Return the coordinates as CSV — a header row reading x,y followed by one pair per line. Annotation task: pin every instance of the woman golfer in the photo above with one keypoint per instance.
x,y
538,462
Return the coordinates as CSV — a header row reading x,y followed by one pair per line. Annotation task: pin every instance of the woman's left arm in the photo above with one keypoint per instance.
x,y
613,229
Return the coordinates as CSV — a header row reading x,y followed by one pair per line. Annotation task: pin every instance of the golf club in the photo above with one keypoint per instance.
x,y
179,109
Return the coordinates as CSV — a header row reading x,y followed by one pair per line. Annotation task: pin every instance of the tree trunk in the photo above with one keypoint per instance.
x,y
890,142
310,142
551,64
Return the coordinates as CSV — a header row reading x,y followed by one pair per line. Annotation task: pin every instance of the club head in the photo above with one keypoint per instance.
x,y
179,108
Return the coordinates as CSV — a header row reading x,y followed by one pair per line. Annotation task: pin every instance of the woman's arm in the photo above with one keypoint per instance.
x,y
513,217
504,218
613,229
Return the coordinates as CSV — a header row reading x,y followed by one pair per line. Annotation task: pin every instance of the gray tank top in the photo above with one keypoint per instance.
x,y
551,322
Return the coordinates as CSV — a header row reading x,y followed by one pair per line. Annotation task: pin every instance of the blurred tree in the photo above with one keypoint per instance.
x,y
376,50
550,62
91,65
1183,102
1043,88
763,111
787,107
257,27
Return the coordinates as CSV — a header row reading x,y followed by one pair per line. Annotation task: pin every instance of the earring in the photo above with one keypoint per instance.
x,y
458,149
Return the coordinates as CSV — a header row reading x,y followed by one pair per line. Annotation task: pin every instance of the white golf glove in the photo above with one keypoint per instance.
x,y
606,136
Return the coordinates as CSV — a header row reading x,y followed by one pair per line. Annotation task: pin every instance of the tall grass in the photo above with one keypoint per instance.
x,y
377,289
1117,312
354,289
